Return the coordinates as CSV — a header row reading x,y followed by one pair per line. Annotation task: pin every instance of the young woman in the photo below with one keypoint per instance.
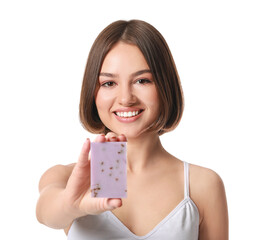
x,y
131,92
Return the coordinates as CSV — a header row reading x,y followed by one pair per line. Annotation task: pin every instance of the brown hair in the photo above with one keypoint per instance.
x,y
160,61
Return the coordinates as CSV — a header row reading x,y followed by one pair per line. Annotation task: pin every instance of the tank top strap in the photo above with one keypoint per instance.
x,y
186,180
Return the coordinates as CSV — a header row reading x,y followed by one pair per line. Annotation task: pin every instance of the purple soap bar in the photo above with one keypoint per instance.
x,y
108,170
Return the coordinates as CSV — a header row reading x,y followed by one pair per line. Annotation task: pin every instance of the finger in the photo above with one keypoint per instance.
x,y
122,138
95,206
113,203
84,154
100,138
111,137
81,173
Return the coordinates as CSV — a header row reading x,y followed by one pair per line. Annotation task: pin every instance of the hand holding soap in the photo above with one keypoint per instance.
x,y
108,170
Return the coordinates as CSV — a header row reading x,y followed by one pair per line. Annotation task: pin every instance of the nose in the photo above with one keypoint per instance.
x,y
126,96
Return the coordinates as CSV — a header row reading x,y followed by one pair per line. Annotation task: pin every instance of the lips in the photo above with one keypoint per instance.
x,y
128,115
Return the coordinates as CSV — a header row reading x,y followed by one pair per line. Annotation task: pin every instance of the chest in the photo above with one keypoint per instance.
x,y
150,199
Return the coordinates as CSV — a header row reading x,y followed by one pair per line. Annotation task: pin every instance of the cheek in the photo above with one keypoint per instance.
x,y
101,99
157,103
103,102
152,98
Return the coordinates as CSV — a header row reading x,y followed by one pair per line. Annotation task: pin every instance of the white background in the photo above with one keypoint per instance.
x,y
222,54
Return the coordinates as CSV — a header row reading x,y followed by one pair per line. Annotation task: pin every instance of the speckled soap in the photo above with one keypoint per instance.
x,y
108,170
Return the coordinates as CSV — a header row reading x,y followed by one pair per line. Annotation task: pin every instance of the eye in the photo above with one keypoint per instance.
x,y
143,81
108,84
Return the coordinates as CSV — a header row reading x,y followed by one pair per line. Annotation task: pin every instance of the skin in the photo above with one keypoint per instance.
x,y
126,84
152,172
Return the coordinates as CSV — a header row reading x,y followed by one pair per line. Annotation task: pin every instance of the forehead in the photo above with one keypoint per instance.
x,y
124,57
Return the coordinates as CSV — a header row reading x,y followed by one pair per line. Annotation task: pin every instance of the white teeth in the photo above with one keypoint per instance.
x,y
127,114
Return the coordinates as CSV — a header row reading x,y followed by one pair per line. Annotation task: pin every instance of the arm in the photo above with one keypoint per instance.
x,y
50,209
214,223
65,193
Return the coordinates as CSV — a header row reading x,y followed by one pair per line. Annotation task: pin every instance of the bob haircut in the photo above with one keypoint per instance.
x,y
160,61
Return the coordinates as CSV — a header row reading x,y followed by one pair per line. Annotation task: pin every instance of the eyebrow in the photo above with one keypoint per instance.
x,y
135,74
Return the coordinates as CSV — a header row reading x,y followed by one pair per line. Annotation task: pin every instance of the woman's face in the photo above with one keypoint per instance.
x,y
127,100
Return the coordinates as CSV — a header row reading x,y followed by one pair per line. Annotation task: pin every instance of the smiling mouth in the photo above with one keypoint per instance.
x,y
128,114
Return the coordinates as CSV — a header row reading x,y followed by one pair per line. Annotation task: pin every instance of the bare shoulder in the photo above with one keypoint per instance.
x,y
58,174
208,193
205,178
204,184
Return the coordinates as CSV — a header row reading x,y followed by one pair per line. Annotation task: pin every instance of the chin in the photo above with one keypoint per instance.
x,y
128,134
131,133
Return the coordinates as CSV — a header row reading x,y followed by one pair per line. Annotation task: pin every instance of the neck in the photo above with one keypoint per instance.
x,y
143,152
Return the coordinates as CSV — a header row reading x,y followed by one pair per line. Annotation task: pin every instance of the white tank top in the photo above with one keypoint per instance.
x,y
182,223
